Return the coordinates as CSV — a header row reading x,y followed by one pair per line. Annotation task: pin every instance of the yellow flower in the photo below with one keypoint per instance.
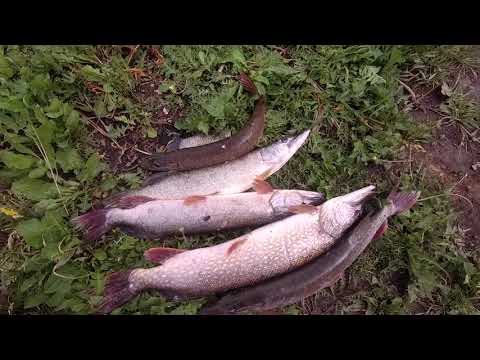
x,y
10,212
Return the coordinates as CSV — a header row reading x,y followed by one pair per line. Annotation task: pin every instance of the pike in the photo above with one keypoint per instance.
x,y
217,152
233,177
149,218
267,251
322,272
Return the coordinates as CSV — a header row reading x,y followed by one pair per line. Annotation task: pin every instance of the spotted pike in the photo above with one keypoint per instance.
x,y
228,178
153,219
270,250
322,272
220,151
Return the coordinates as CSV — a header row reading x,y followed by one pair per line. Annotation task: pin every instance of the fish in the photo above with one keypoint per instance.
x,y
267,251
220,151
232,177
149,218
197,140
318,274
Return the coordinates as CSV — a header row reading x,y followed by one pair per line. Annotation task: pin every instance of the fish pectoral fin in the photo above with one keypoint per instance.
x,y
189,200
302,209
261,186
381,230
158,255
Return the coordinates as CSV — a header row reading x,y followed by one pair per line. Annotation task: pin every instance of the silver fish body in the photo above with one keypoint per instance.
x,y
268,251
158,218
229,178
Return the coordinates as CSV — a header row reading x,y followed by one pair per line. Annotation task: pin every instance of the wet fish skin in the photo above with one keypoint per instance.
x,y
322,272
229,178
154,219
270,250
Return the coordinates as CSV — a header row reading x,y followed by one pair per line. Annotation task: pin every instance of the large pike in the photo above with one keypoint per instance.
x,y
271,250
217,152
322,272
233,177
150,218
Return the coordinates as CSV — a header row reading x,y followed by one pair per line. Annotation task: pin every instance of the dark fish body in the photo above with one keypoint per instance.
x,y
267,251
320,273
213,153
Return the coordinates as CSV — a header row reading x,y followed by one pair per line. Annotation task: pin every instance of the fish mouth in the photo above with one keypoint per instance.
x,y
359,196
296,142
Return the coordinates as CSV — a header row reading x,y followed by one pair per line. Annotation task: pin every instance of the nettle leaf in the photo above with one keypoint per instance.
x,y
92,74
73,121
34,189
6,70
237,58
16,161
69,159
55,109
56,284
93,167
31,231
34,300
37,173
17,143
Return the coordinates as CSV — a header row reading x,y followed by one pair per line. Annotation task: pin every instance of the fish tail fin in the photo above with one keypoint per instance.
x,y
116,292
247,84
93,224
402,201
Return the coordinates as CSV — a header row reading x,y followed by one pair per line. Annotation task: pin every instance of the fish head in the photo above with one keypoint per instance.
x,y
282,200
338,214
278,153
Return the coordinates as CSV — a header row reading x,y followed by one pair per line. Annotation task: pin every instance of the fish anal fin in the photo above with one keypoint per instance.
x,y
236,245
381,230
261,186
190,200
159,255
302,209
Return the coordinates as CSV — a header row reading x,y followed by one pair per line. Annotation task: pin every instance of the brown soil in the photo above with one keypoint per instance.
x,y
455,160
127,152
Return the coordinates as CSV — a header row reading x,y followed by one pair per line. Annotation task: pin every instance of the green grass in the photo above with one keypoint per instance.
x,y
349,95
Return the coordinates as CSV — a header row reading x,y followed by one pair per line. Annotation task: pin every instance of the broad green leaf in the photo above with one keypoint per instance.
x,y
37,173
6,70
57,284
151,133
55,109
92,74
72,122
203,127
31,231
100,254
69,159
34,189
34,300
16,161
93,167
100,108
237,58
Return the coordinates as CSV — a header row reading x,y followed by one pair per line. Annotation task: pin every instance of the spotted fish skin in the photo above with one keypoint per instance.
x,y
229,178
265,252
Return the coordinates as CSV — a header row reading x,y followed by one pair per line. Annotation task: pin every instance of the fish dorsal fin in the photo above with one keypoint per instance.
x,y
302,209
190,200
261,186
130,201
236,245
158,255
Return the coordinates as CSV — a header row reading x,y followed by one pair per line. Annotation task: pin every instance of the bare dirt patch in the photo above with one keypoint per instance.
x,y
455,160
125,154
